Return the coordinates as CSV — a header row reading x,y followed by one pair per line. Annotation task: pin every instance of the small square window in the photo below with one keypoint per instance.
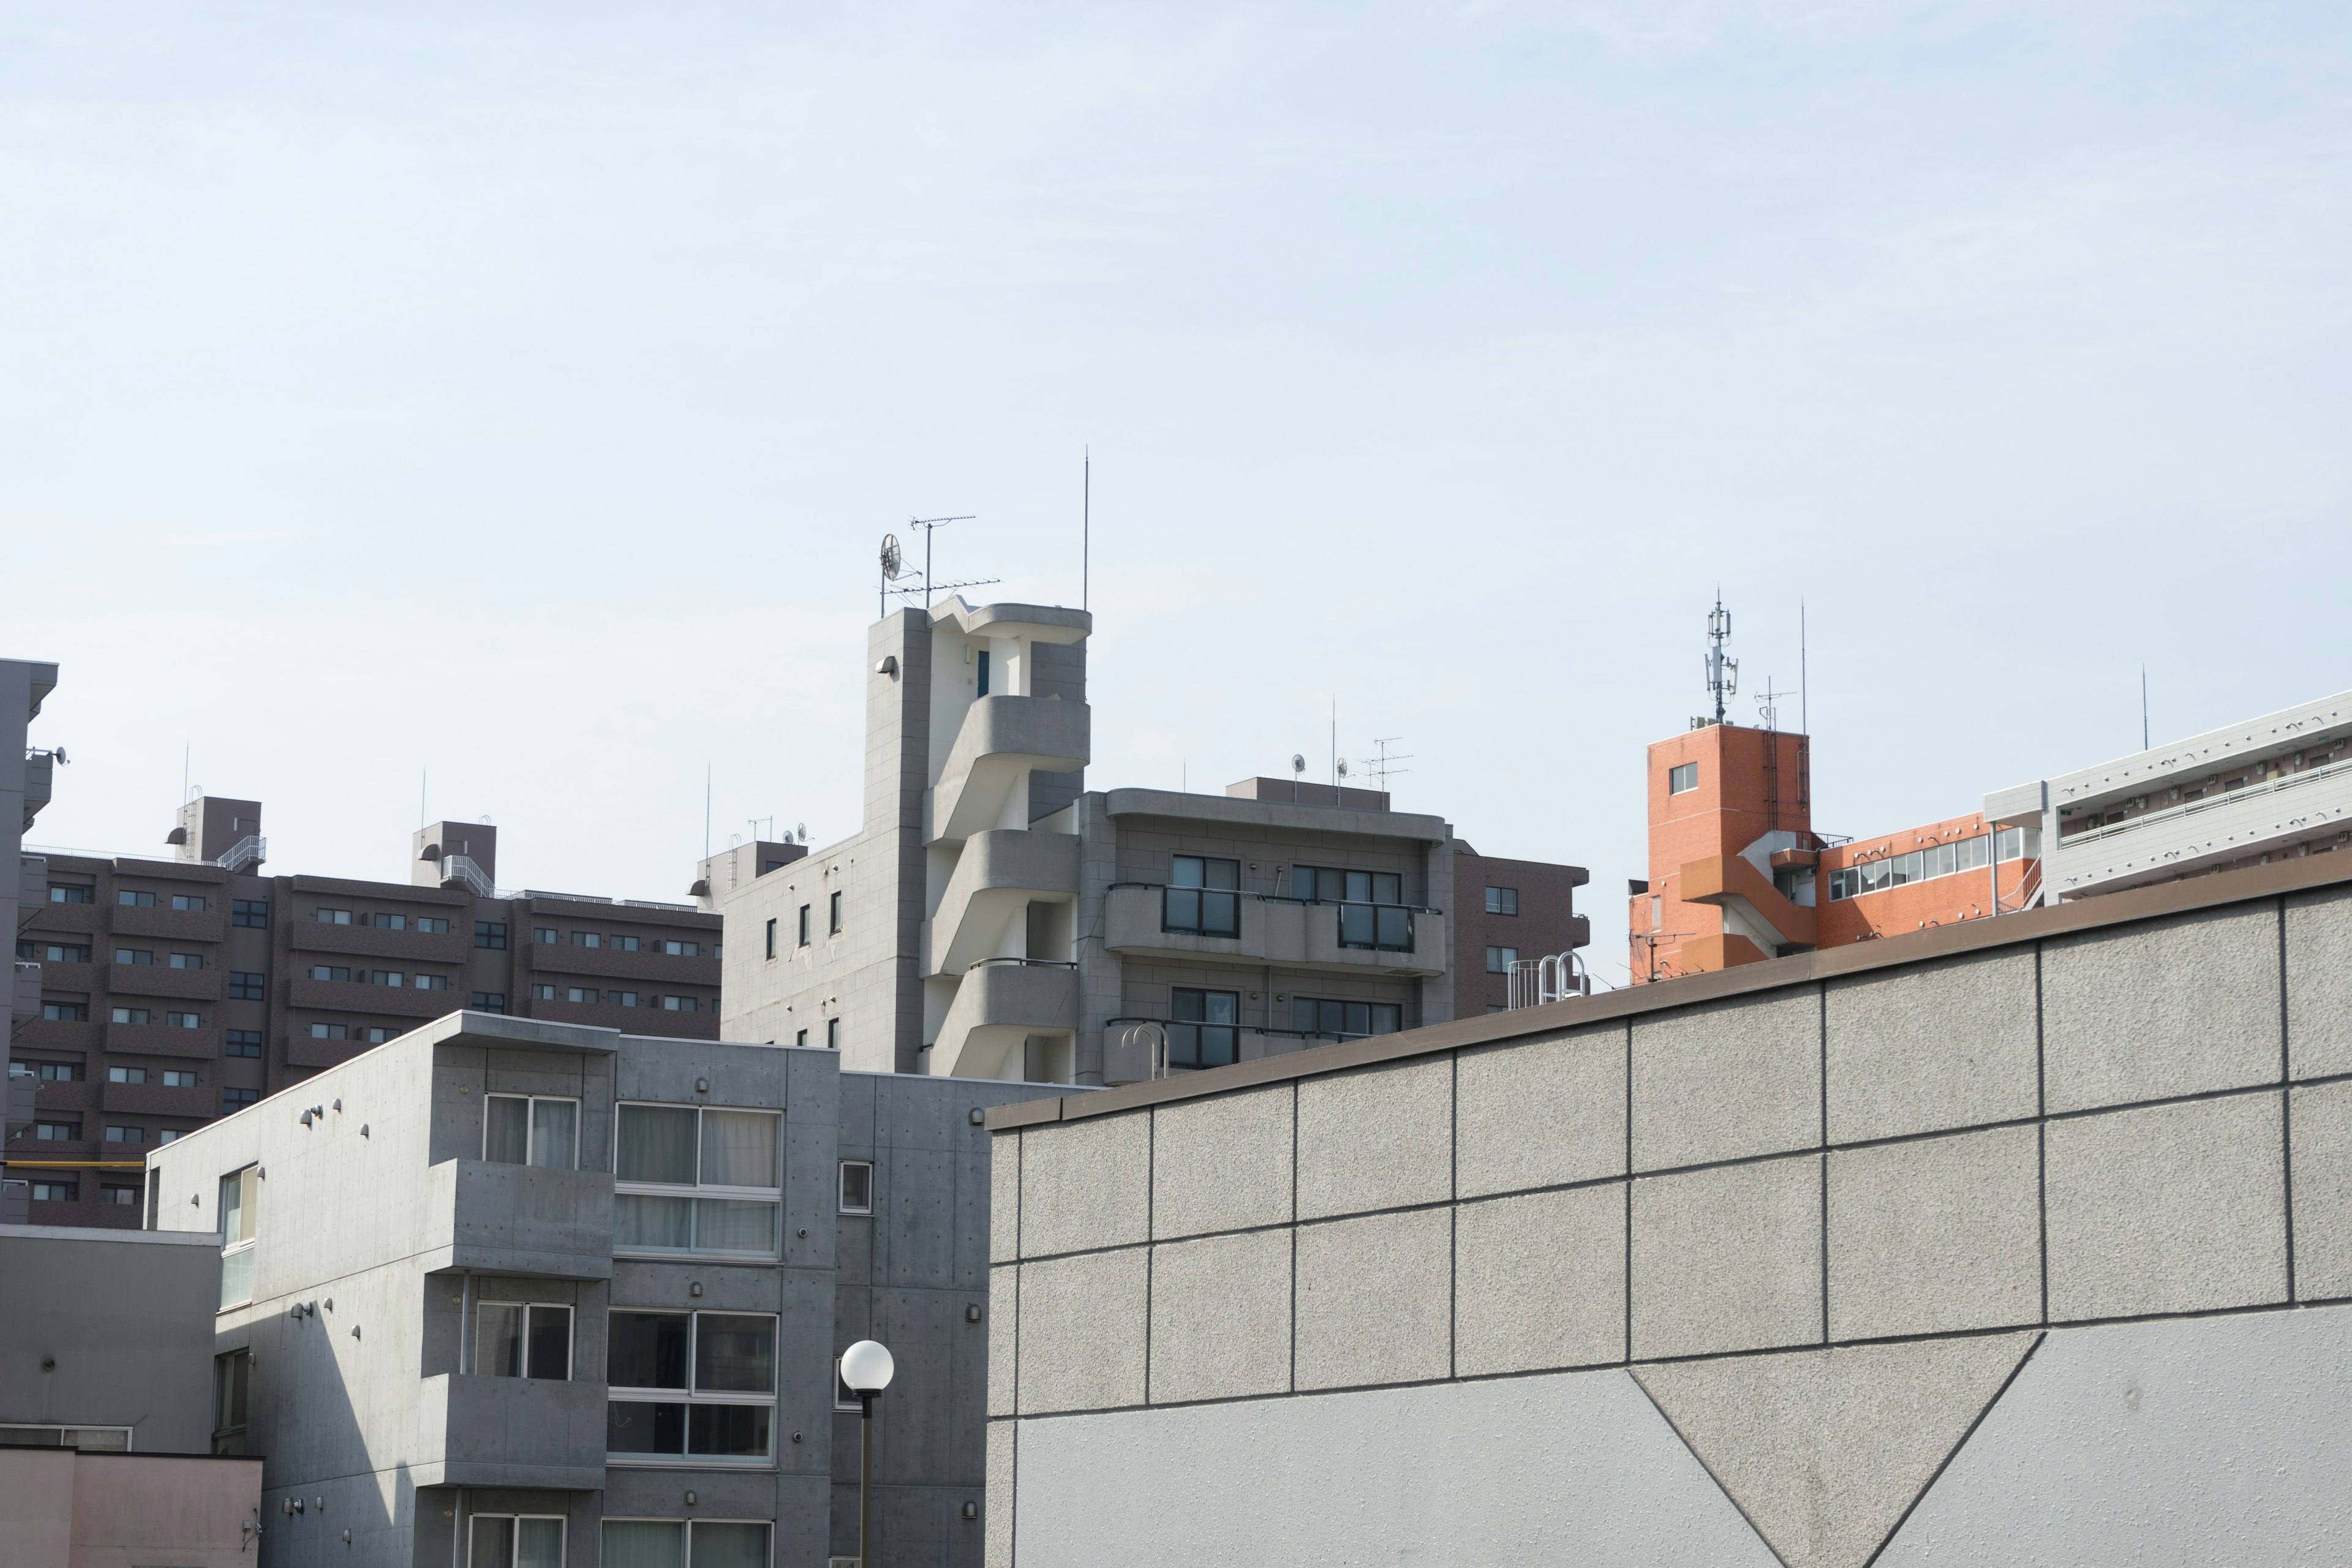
x,y
1502,900
833,917
247,985
490,1002
857,1186
192,903
1500,959
251,913
174,1077
1682,779
244,1042
490,933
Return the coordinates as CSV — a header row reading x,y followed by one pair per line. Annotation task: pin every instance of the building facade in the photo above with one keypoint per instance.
x,y
507,1292
2025,1241
995,919
176,991
27,776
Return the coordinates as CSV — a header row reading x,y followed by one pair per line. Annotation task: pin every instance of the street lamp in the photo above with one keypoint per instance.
x,y
866,1369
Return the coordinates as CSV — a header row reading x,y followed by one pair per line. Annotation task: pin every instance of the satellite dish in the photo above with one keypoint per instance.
x,y
891,560
1298,762
1343,767
799,831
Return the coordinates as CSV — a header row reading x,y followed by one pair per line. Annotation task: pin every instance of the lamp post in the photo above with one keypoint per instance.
x,y
866,1368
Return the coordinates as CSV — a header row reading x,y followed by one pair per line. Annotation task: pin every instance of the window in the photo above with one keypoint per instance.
x,y
622,944
1200,898
251,913
429,982
56,1132
245,1042
174,1077
130,900
580,994
51,953
490,933
983,672
833,912
804,925
488,1002
54,1192
183,1021
110,1193
130,1014
126,1135
522,1338
587,939
800,1038
1500,959
126,1075
232,1383
133,955
389,922
532,1129
191,903
1502,900
694,949
167,1136
65,1012
543,933
676,1543
690,1384
621,998
235,1099
696,1180
383,1032
62,893
334,917
515,1540
330,1032
61,1072
103,1439
392,977
240,1197
541,992
244,985
431,925
1314,1016
331,971
1682,779
1657,911
2020,843
1202,1030
679,1005
833,1034
1328,885
857,1186
772,939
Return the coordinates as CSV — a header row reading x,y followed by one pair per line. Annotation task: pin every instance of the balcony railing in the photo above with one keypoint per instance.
x,y
1215,911
2211,803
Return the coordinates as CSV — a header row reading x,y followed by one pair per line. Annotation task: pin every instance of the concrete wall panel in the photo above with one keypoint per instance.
x,y
1082,1328
2166,1007
1221,1317
1936,1235
1376,1139
1003,1328
1944,1045
1223,1164
1088,1186
1005,1197
2169,1208
1541,1281
2319,982
997,1509
1374,1300
1728,1081
1543,1112
2322,1142
1727,1259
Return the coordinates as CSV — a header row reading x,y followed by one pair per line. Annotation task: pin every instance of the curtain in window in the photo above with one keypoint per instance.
x,y
507,1129
493,1543
724,1546
646,1543
553,1124
724,1225
734,1354
739,1149
642,1224
497,1340
656,1144
539,1544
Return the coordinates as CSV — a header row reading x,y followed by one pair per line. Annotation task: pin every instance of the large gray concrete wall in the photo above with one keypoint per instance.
x,y
1723,1279
110,1329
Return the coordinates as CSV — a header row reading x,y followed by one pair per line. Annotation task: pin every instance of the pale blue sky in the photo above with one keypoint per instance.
x,y
520,392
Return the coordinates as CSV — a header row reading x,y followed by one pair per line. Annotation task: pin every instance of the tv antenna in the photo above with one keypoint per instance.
x,y
1381,765
892,562
928,590
1764,704
1722,672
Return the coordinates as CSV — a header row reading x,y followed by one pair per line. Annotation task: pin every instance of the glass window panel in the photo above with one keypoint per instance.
x,y
551,1342
739,1149
1220,1006
237,1277
1221,873
656,1144
1971,853
1387,1017
727,1225
1302,882
1221,914
1218,1048
734,1354
493,1543
1395,927
1186,1006
631,1426
507,1129
642,1223
1360,1019
1186,872
1184,909
497,1340
1911,871
1388,888
1185,1044
1356,925
645,1544
648,1350
1359,887
730,1431
553,1123
1944,860
725,1546
539,1544
232,1210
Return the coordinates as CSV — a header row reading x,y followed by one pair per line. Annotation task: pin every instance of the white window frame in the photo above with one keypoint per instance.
x,y
686,1526
699,1189
843,1399
563,1529
571,1337
689,1396
62,1427
233,1249
841,1187
531,1126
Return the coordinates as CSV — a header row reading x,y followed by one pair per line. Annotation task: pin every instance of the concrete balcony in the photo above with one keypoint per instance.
x,y
497,1218
996,1008
1000,871
453,946
510,1432
208,924
2272,816
163,980
160,1100
1001,741
161,1040
25,992
358,997
1733,884
1278,932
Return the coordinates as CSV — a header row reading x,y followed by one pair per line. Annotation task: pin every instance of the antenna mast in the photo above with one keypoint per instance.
x,y
1086,526
1722,673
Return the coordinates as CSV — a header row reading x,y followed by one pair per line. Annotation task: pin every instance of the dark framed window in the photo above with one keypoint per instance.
x,y
541,992
1500,959
800,1038
1204,1028
580,994
490,933
66,893
804,925
1347,1020
334,917
389,922
622,944
251,913
331,1031
108,1193
1201,898
244,985
772,939
587,939
191,903
61,1072
833,913
1330,885
1381,927
187,961
545,934
244,1043
1502,900
682,949
54,1192
833,1034
983,672
64,1012
856,1194
490,1002
238,1099
135,900
522,1338
690,1386
332,972
1682,779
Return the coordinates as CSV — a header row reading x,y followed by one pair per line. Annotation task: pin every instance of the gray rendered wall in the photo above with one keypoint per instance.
x,y
126,1318
1723,1282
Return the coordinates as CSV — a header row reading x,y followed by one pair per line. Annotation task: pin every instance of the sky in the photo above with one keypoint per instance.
x,y
494,410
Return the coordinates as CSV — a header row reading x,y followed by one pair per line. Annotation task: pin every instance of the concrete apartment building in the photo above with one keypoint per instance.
x,y
994,919
26,775
513,1293
175,991
106,1402
2018,1240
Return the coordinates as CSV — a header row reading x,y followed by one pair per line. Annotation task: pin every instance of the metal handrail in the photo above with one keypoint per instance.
x,y
1028,962
1534,981
2186,808
466,869
1284,898
250,850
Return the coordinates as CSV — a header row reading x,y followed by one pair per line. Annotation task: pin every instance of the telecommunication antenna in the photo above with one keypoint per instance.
x,y
930,590
1381,763
1764,704
1722,672
891,563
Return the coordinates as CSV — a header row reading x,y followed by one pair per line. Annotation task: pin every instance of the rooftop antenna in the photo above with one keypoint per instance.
x,y
892,560
1381,765
1804,703
1335,742
2143,708
1722,673
422,776
1086,526
1771,715
705,811
930,590
1297,766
